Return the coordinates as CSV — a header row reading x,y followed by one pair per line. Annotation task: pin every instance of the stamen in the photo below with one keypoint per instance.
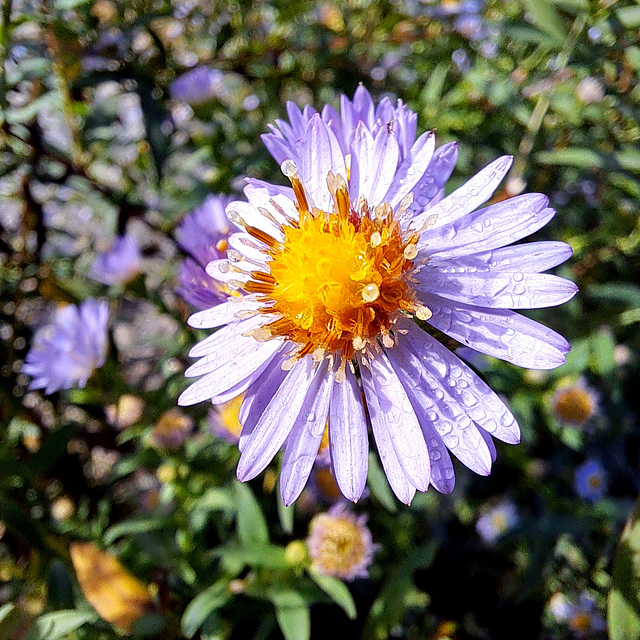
x,y
289,168
371,292
422,312
376,239
382,211
262,236
411,251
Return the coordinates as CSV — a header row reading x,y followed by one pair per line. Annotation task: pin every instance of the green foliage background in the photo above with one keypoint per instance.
x,y
92,145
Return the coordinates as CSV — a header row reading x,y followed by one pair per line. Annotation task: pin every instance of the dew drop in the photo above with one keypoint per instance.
x,y
289,168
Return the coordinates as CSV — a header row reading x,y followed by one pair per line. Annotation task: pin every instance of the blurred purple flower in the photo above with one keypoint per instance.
x,y
120,264
340,544
197,86
497,521
582,617
203,235
590,481
65,352
336,268
224,421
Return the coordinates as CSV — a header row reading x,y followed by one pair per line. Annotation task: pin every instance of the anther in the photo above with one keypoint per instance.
x,y
376,239
382,211
422,312
234,285
234,256
371,292
236,218
410,251
358,343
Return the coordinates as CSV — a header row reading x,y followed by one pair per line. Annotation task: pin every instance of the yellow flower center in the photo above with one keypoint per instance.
x,y
574,405
338,280
342,547
581,621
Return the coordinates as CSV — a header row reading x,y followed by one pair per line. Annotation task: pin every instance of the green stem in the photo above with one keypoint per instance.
x,y
4,49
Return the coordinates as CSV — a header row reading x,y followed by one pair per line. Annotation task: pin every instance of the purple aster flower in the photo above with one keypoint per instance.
x,y
224,421
65,352
120,264
203,235
197,86
340,544
495,522
590,481
341,273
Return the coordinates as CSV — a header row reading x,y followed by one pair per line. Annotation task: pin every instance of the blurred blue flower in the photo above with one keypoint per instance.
x,y
120,264
582,617
65,352
590,481
497,521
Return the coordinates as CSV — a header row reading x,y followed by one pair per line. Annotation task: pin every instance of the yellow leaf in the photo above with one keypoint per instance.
x,y
118,597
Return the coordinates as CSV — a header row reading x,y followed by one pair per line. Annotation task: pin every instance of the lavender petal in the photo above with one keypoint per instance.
x,y
276,421
499,333
498,290
348,442
400,420
304,440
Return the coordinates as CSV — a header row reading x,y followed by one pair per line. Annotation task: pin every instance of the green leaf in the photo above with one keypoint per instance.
x,y
577,358
623,606
617,292
378,484
134,526
602,347
396,594
252,526
54,626
199,609
292,613
337,591
432,92
269,556
63,5
5,611
629,16
545,17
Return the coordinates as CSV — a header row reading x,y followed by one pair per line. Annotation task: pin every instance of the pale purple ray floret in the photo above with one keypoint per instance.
x,y
65,352
119,264
419,400
203,235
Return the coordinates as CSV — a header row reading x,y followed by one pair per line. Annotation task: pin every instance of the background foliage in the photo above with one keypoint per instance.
x,y
91,144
